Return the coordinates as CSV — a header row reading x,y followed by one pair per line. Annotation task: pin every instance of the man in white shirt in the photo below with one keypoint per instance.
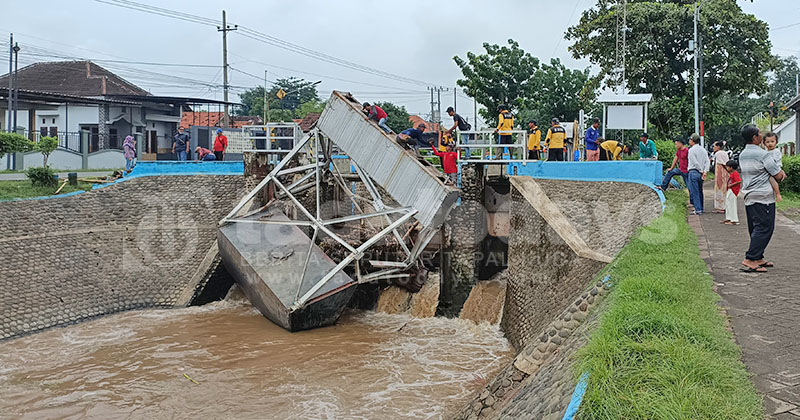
x,y
756,167
698,168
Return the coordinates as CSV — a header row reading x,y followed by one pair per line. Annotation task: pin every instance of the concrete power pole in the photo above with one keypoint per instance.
x,y
696,75
10,80
225,29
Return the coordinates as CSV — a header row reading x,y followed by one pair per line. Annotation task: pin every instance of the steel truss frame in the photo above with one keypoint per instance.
x,y
322,158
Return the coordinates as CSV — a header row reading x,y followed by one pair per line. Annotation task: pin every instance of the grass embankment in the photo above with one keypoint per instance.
x,y
24,189
790,205
662,350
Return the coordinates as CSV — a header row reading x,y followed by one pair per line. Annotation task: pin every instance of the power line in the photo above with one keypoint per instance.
x,y
261,37
784,27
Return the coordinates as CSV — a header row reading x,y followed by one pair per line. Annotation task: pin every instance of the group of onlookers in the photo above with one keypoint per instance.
x,y
755,177
181,141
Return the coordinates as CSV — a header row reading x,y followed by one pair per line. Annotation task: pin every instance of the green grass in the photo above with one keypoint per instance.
x,y
791,200
662,350
109,170
24,189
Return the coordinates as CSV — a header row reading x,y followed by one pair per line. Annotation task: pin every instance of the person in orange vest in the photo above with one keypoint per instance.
x,y
220,144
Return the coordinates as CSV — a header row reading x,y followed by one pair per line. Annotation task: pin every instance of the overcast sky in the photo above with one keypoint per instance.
x,y
413,39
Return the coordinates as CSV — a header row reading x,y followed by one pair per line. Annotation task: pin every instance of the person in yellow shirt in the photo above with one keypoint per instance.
x,y
555,141
505,123
534,140
611,149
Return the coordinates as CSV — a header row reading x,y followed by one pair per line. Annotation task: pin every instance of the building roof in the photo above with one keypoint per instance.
x,y
79,78
631,98
307,123
416,120
29,98
794,103
213,119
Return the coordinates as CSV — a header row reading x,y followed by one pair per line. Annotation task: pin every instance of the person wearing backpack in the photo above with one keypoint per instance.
x,y
462,125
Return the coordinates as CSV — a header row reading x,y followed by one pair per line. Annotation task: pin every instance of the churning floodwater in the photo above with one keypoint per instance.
x,y
224,360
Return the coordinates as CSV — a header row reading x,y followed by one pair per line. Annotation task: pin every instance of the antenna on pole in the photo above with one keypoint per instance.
x,y
622,48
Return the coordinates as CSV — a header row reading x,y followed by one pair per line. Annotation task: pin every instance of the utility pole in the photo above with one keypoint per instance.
x,y
266,104
10,79
696,75
225,29
455,101
475,112
16,86
700,81
432,104
439,104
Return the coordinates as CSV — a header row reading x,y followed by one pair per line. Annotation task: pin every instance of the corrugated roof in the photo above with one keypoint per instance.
x,y
79,78
307,123
629,98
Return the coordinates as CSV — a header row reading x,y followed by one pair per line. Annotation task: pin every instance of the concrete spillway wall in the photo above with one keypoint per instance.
x,y
144,242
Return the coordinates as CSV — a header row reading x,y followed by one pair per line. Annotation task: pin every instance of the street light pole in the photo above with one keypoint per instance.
x,y
16,86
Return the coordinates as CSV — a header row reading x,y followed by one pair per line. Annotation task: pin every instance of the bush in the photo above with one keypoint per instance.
x,y
791,165
12,143
42,177
46,145
666,152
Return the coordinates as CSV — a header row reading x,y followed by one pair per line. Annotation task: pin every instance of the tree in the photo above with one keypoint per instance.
x,y
503,75
397,118
45,146
736,52
298,91
309,107
13,143
557,92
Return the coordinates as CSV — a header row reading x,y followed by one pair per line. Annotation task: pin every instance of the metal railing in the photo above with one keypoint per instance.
x,y
278,138
66,140
484,146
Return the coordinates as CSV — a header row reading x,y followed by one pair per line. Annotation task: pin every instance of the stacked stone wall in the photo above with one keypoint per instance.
x,y
136,244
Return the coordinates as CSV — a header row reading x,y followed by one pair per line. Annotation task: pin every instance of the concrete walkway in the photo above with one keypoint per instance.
x,y
764,308
18,176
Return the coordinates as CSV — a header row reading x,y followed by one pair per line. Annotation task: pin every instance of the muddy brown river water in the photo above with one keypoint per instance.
x,y
224,360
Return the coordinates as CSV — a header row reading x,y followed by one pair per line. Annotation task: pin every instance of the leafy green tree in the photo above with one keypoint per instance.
x,y
397,118
503,75
13,143
736,53
46,146
309,107
298,91
557,92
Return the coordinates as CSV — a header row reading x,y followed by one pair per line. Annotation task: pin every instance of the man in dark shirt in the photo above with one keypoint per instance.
x,y
413,137
462,125
180,146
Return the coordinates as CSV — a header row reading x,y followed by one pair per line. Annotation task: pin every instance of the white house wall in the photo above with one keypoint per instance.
x,y
59,159
106,159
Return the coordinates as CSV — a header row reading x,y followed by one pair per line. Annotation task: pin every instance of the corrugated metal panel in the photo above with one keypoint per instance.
x,y
406,179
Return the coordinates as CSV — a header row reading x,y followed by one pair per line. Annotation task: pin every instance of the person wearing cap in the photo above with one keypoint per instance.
x,y
377,114
611,149
180,145
505,124
413,137
592,146
462,125
647,148
220,144
534,140
554,141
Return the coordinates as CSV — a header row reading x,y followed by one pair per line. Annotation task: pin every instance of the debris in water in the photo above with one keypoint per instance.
x,y
187,377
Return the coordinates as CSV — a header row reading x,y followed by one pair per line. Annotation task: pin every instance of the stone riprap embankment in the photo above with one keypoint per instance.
x,y
144,242
562,235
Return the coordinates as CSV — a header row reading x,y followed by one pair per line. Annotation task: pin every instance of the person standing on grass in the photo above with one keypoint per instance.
x,y
771,143
682,160
720,158
554,141
647,148
129,152
180,145
757,166
220,144
592,146
377,114
534,140
698,170
734,186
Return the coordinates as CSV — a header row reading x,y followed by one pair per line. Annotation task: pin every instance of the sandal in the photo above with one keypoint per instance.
x,y
767,265
747,269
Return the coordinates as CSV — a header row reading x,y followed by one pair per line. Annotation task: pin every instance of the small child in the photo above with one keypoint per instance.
x,y
734,186
449,165
771,143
